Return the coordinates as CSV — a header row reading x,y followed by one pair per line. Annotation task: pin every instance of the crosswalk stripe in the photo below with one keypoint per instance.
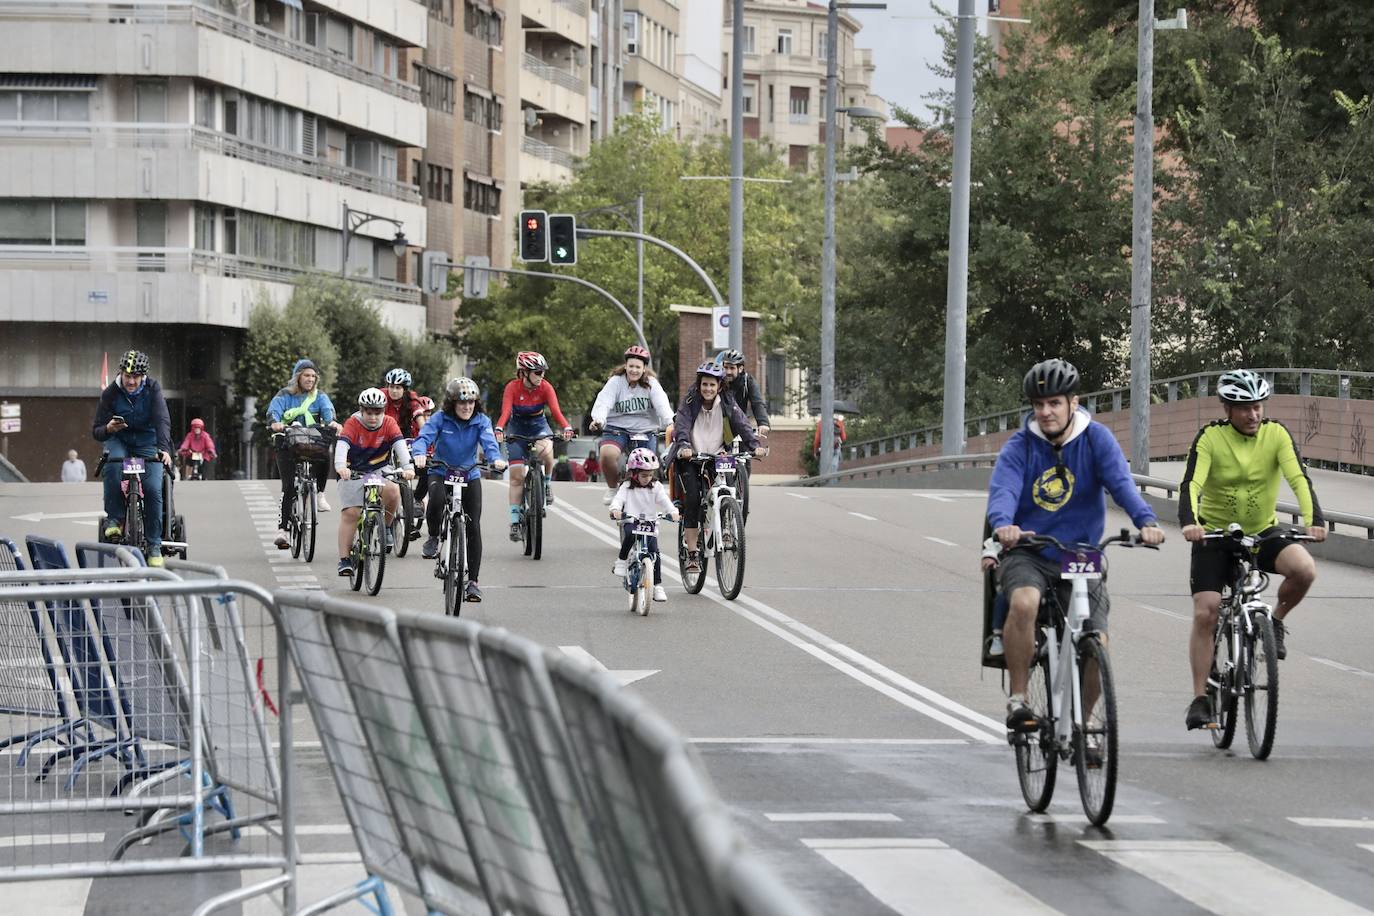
x,y
1342,822
785,817
926,876
1190,868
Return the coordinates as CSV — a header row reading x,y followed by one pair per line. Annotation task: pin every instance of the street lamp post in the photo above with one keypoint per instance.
x,y
956,292
827,421
353,220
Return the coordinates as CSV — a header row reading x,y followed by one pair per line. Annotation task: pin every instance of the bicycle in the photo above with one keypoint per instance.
x,y
307,445
532,508
193,466
451,564
405,527
1244,663
135,529
639,568
1061,682
722,527
369,549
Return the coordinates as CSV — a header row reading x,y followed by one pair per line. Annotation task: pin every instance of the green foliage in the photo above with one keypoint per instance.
x,y
364,343
427,360
276,338
581,334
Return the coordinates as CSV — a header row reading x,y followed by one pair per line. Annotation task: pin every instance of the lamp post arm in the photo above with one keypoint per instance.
x,y
686,259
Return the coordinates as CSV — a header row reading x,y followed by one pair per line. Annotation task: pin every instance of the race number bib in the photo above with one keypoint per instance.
x,y
133,465
1080,564
725,463
646,526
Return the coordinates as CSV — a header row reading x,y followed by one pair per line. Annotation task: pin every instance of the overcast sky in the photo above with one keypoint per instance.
x,y
904,44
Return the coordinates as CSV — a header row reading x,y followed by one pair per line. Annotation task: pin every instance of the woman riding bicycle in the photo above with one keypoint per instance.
x,y
198,440
632,401
522,407
403,404
708,420
455,432
370,439
300,403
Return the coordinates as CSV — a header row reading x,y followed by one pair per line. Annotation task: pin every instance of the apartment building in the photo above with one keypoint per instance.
x,y
555,96
785,77
163,163
650,43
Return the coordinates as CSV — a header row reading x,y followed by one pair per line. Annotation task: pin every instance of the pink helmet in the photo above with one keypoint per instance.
x,y
642,459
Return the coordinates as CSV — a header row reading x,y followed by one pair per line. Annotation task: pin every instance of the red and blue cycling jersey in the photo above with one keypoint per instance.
x,y
527,405
369,449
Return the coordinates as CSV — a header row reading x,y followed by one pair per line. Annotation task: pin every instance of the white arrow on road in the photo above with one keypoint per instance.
x,y
624,677
45,516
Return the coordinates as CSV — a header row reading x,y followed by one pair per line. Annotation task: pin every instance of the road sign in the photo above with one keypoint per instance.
x,y
474,280
9,411
433,275
720,326
9,425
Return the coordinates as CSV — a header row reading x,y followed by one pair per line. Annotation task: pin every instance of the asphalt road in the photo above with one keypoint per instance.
x,y
839,707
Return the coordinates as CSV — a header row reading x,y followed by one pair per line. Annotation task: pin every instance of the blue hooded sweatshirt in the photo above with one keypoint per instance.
x,y
455,441
1063,495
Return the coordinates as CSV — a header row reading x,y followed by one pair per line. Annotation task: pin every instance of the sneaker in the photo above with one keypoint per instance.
x,y
660,594
548,493
321,504
283,540
995,648
114,532
1200,713
155,559
346,567
620,568
430,549
694,561
606,497
1280,631
390,539
473,593
515,531
1020,718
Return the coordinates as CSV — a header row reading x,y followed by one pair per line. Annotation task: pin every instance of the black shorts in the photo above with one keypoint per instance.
x,y
1026,568
1211,566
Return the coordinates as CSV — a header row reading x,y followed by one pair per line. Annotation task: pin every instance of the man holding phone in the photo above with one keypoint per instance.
x,y
132,422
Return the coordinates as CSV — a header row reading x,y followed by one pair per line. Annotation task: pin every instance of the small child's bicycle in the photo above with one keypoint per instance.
x,y
639,568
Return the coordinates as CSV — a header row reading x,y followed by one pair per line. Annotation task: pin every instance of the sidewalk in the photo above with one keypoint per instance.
x,y
1336,491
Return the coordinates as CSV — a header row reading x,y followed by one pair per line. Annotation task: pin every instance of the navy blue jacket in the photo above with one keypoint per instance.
x,y
150,426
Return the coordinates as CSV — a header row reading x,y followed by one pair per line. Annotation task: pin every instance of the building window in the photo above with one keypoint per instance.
x,y
415,172
481,197
42,222
205,228
784,41
441,10
747,102
434,182
770,101
480,110
447,189
436,89
799,104
749,35
796,156
775,382
821,38
483,24
45,106
631,41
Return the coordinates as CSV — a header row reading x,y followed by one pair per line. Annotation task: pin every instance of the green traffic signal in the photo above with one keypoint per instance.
x,y
562,238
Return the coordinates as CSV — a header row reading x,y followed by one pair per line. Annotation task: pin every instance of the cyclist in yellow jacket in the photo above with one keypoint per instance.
x,y
1232,477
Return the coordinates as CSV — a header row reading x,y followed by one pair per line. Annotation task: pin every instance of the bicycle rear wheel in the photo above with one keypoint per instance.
x,y
692,581
1036,759
1219,689
359,556
309,520
1261,683
404,523
455,581
730,555
374,552
534,511
1095,751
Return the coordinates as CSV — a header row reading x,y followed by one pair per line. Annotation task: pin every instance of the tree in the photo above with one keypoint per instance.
x,y
427,359
275,340
353,324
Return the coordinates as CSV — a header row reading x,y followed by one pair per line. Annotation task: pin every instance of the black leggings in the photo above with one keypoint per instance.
x,y
286,467
689,477
472,509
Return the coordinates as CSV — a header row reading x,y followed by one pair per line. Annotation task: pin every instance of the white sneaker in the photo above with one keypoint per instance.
x,y
620,568
606,498
660,594
283,540
995,648
320,503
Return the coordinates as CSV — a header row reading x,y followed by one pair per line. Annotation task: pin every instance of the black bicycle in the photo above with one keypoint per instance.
x,y
369,540
532,496
306,445
134,528
450,565
1245,663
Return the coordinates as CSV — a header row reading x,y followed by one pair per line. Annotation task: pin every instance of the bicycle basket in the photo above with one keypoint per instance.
x,y
306,442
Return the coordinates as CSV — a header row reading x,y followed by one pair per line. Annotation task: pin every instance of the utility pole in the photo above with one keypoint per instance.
x,y
639,254
956,297
736,176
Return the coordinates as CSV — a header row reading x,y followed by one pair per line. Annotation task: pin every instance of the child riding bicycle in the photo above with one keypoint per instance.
x,y
641,496
369,439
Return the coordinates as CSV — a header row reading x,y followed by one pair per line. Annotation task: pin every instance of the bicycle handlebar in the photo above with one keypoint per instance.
x,y
1125,539
1235,536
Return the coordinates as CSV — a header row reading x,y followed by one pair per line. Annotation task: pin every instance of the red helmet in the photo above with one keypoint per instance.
x,y
637,352
427,404
531,362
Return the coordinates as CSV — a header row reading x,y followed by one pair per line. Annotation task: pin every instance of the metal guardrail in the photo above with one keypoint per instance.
x,y
132,135
546,152
181,260
1331,382
545,70
204,13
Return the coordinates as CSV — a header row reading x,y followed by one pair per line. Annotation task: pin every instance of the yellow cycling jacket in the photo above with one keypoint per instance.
x,y
1232,477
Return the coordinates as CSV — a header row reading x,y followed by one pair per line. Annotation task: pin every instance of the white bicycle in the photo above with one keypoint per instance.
x,y
722,526
639,568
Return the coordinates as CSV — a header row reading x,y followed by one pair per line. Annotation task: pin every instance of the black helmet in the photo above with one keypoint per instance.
x,y
1049,378
730,357
135,362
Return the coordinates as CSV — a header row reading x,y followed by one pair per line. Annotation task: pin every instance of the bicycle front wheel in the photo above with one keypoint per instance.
x,y
454,581
1036,759
692,581
730,551
309,521
374,552
1261,686
295,523
534,511
1095,741
644,594
1223,696
133,518
404,523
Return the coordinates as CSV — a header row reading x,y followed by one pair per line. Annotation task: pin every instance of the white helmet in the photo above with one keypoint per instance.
x,y
461,389
1241,386
372,397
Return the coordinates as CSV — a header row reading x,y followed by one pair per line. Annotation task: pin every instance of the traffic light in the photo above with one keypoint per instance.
x,y
534,236
562,239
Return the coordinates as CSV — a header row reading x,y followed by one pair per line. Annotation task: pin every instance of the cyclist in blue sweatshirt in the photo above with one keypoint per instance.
x,y
1051,478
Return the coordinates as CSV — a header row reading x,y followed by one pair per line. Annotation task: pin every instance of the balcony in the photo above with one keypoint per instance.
x,y
559,77
60,135
542,162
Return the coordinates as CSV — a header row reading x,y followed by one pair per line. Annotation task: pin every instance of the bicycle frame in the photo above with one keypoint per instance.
x,y
720,486
1064,675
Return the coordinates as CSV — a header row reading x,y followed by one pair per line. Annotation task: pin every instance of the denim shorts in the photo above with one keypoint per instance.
x,y
518,450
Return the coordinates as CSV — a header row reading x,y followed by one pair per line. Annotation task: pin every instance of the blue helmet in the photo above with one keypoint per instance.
x,y
711,368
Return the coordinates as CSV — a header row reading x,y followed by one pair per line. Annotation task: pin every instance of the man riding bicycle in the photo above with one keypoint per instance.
x,y
741,386
132,421
522,408
1050,479
1232,477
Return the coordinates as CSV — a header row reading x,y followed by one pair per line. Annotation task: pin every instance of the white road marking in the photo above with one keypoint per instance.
x,y
51,839
801,817
624,676
1342,822
925,876
65,896
1160,610
978,726
1368,846
797,496
1189,869
772,739
867,518
941,541
1341,666
937,498
1081,819
45,516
